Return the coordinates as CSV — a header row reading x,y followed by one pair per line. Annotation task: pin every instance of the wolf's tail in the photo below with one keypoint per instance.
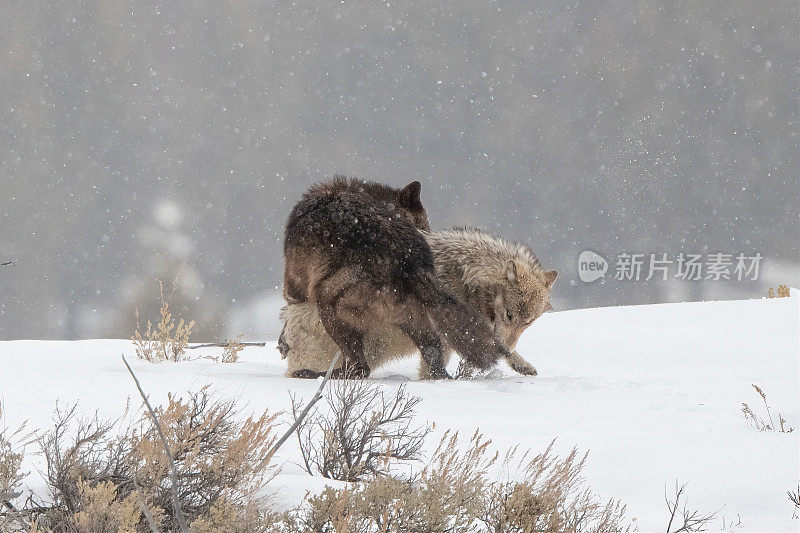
x,y
465,330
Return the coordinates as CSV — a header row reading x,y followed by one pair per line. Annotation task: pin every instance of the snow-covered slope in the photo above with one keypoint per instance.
x,y
654,392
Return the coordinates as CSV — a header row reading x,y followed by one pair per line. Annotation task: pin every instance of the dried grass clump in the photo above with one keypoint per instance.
x,y
783,292
102,509
363,431
454,493
231,349
168,339
166,342
227,517
761,423
10,469
105,476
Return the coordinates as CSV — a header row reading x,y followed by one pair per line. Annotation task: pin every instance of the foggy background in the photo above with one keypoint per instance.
x,y
135,136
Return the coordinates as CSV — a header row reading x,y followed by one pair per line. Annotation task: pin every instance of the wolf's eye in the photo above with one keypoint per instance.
x,y
509,314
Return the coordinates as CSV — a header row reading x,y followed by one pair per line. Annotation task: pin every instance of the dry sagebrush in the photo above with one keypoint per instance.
x,y
10,461
104,476
547,493
230,350
216,456
11,475
455,493
166,341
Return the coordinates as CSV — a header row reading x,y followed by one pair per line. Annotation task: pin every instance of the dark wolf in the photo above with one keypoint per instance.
x,y
356,250
500,279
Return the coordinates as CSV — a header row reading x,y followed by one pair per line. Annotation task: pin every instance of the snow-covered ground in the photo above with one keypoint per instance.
x,y
654,392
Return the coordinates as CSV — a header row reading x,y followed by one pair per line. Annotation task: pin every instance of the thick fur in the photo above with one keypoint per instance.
x,y
502,279
494,276
354,249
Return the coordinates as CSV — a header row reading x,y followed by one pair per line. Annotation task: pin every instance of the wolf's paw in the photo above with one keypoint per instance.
x,y
523,367
520,365
356,370
307,374
441,375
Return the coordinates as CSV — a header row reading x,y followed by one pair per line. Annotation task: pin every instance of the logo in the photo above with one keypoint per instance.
x,y
630,266
591,266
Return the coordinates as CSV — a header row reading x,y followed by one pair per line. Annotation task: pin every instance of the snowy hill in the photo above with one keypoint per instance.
x,y
654,392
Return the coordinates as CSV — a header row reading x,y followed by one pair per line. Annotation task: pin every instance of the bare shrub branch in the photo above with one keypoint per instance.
x,y
226,344
794,497
151,521
681,518
362,431
300,416
78,451
176,502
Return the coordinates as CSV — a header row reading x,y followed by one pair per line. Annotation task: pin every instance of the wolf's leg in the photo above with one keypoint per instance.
x,y
518,364
343,302
413,321
425,369
350,341
430,347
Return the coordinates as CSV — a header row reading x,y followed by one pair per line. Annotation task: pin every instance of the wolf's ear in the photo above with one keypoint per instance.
x,y
511,271
409,196
550,277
